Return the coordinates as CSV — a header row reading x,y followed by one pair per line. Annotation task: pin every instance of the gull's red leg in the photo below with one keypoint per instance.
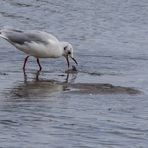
x,y
39,64
25,62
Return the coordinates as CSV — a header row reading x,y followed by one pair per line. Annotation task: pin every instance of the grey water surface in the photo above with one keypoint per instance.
x,y
102,105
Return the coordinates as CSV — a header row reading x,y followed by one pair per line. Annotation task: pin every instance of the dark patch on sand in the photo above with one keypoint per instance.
x,y
98,88
38,89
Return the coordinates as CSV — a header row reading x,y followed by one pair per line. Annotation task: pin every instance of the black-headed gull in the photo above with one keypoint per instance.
x,y
38,44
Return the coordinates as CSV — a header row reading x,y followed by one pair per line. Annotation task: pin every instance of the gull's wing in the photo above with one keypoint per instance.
x,y
21,37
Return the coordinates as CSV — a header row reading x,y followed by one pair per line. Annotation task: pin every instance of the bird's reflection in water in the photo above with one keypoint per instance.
x,y
37,87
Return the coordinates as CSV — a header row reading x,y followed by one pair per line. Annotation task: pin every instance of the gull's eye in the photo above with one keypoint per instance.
x,y
65,48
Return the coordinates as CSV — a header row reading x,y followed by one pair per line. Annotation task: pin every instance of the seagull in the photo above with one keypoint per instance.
x,y
38,44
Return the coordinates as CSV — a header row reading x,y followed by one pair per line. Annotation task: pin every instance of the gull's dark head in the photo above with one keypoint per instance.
x,y
68,52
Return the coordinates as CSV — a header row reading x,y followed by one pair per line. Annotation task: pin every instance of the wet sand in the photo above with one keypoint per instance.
x,y
39,86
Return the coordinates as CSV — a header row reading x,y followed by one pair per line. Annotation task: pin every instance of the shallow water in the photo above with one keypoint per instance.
x,y
104,104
